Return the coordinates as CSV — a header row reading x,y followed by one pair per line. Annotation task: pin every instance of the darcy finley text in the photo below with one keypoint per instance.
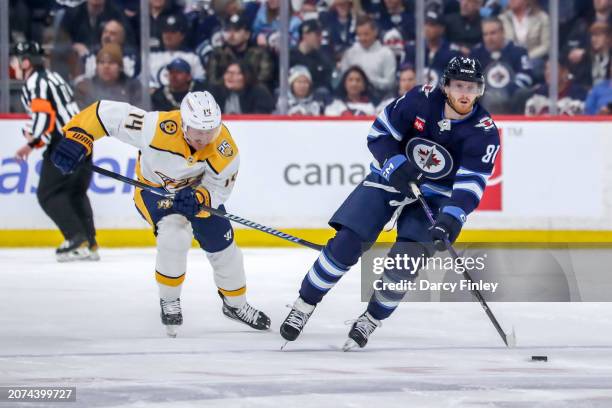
x,y
408,285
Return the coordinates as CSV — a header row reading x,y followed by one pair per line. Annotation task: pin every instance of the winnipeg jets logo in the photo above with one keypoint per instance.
x,y
486,123
498,76
428,159
433,159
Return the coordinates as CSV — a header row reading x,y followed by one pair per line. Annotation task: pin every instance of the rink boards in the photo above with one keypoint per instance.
x,y
550,182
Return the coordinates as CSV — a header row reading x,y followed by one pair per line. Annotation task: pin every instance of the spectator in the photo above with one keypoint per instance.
x,y
354,97
240,93
308,10
29,18
267,24
300,99
463,29
376,60
236,48
173,29
110,82
180,82
571,95
340,22
395,15
507,67
394,40
83,24
591,66
159,11
438,51
528,26
113,33
599,99
578,38
407,81
308,53
207,22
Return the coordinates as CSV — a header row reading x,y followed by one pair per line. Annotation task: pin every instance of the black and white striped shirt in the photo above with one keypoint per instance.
x,y
50,102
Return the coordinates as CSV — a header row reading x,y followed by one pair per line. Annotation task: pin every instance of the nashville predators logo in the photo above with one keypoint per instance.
x,y
171,184
164,204
225,149
168,126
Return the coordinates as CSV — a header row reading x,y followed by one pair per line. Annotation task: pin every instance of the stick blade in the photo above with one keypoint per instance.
x,y
511,339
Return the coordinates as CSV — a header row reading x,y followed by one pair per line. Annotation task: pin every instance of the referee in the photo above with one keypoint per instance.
x,y
49,101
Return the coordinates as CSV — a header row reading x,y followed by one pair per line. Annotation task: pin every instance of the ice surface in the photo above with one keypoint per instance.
x,y
96,326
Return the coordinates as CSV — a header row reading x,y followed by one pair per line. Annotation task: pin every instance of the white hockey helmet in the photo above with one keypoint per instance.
x,y
200,111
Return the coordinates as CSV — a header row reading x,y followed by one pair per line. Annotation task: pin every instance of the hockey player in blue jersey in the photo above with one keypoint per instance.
x,y
438,138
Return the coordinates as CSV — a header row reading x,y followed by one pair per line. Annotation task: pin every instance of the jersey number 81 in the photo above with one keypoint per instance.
x,y
491,154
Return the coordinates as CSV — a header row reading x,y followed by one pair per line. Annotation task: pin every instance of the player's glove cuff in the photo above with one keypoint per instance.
x,y
446,228
400,172
80,136
67,155
456,212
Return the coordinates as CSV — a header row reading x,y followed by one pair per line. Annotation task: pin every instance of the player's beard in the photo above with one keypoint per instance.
x,y
457,107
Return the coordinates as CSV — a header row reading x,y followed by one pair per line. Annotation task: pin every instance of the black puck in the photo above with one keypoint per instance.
x,y
539,358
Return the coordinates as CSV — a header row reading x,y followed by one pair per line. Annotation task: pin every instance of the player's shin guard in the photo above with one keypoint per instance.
x,y
228,269
385,300
173,242
340,253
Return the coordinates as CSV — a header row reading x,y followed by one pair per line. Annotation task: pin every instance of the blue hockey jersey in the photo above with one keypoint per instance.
x,y
473,144
509,68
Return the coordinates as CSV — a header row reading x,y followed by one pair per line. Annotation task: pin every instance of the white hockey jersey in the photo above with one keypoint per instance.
x,y
165,159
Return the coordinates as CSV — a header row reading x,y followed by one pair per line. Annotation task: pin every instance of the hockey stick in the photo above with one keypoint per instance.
x,y
508,338
215,211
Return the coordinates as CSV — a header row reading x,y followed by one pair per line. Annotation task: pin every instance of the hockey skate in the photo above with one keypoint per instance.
x,y
360,331
76,249
171,315
296,320
246,314
93,253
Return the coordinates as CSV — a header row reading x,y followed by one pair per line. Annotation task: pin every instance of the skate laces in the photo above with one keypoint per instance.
x,y
248,313
171,307
296,318
364,325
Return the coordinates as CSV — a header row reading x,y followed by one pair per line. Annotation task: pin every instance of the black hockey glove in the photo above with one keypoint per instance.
x,y
72,150
446,227
188,201
400,172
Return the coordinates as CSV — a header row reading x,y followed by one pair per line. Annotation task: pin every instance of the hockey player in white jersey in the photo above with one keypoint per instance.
x,y
192,154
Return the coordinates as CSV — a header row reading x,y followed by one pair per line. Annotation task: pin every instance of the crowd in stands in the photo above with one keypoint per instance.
x,y
347,57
